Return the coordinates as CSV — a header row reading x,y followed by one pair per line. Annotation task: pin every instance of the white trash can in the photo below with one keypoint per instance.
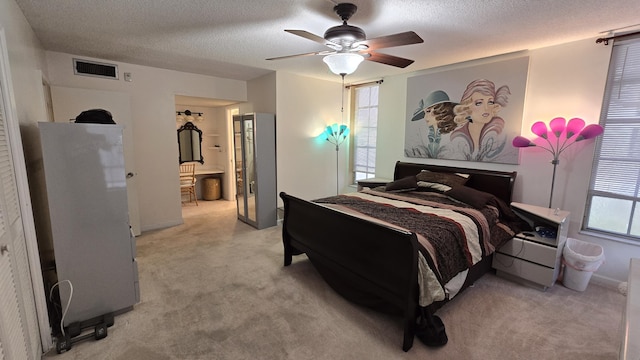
x,y
581,259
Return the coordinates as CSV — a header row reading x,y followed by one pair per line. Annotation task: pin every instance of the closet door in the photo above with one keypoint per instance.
x,y
20,278
13,332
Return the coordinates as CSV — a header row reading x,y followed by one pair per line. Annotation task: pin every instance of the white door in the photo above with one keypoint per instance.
x,y
13,332
70,102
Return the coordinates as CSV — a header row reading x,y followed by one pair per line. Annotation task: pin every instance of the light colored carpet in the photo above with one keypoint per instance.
x,y
215,288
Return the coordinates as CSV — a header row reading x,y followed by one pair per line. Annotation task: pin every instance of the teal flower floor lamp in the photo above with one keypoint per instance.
x,y
337,134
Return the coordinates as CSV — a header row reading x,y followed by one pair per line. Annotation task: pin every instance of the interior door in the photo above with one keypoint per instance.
x,y
70,102
13,332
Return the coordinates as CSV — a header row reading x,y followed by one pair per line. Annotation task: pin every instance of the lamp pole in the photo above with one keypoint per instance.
x,y
337,171
337,134
338,143
555,163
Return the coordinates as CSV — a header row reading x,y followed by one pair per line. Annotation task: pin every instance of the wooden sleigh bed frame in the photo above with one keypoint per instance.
x,y
369,263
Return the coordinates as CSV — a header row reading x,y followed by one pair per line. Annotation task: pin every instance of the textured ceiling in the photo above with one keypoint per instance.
x,y
233,38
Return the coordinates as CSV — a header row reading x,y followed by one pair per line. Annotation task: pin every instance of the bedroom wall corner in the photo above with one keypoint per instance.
x,y
261,92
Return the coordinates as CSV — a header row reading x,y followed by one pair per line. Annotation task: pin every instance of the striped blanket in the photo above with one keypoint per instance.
x,y
452,235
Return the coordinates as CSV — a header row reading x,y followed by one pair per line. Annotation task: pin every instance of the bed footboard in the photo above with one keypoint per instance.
x,y
361,260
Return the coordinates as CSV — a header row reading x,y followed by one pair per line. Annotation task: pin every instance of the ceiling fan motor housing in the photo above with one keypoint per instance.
x,y
344,32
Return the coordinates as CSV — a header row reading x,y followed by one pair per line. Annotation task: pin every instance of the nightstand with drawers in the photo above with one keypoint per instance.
x,y
534,257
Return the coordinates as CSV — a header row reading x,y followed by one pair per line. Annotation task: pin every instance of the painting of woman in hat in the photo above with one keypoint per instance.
x,y
437,111
488,111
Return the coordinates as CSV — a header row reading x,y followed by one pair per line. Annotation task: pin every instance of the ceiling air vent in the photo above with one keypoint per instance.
x,y
92,68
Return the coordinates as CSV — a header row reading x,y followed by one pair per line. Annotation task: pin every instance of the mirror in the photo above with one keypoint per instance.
x,y
237,140
249,167
190,143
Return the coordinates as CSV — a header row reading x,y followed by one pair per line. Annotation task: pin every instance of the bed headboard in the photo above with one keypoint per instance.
x,y
498,183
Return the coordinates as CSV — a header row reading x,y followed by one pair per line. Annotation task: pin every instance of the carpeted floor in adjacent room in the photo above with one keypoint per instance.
x,y
215,288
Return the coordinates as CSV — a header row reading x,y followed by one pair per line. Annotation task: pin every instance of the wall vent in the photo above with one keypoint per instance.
x,y
92,68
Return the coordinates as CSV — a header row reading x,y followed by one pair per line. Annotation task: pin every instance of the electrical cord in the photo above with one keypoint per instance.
x,y
514,256
64,313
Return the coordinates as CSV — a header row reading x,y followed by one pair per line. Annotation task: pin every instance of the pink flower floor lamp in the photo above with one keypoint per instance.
x,y
566,134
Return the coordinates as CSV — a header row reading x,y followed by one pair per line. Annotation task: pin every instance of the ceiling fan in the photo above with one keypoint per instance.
x,y
349,43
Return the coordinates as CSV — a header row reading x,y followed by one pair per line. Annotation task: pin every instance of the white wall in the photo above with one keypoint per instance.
x,y
307,165
152,94
261,93
566,80
28,68
27,62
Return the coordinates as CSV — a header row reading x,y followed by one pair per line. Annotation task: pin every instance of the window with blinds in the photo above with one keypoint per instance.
x,y
365,132
614,193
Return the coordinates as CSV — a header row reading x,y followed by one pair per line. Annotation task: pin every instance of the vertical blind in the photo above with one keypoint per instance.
x,y
612,205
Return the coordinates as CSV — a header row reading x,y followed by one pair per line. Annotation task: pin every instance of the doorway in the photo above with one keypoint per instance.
x,y
213,117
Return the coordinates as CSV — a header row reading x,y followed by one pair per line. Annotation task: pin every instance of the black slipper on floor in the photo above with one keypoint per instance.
x,y
432,333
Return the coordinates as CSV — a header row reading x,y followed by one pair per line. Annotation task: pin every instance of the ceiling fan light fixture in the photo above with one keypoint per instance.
x,y
343,63
351,46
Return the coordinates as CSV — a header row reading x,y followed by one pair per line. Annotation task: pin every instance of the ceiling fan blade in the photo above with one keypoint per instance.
x,y
399,39
388,59
309,36
325,52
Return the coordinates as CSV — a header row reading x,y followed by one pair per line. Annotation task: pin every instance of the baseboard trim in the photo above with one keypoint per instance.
x,y
606,282
161,225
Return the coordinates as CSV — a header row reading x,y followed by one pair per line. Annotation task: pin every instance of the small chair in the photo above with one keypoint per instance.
x,y
188,181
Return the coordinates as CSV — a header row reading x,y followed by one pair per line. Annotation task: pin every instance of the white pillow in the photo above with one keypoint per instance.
x,y
432,185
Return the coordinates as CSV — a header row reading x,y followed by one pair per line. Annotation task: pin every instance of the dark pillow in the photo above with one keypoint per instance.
x,y
476,198
408,183
441,181
479,199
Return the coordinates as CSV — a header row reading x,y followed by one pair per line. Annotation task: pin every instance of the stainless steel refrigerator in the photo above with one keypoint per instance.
x,y
87,197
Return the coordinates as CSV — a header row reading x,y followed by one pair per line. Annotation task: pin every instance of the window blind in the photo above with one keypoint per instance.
x,y
612,205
